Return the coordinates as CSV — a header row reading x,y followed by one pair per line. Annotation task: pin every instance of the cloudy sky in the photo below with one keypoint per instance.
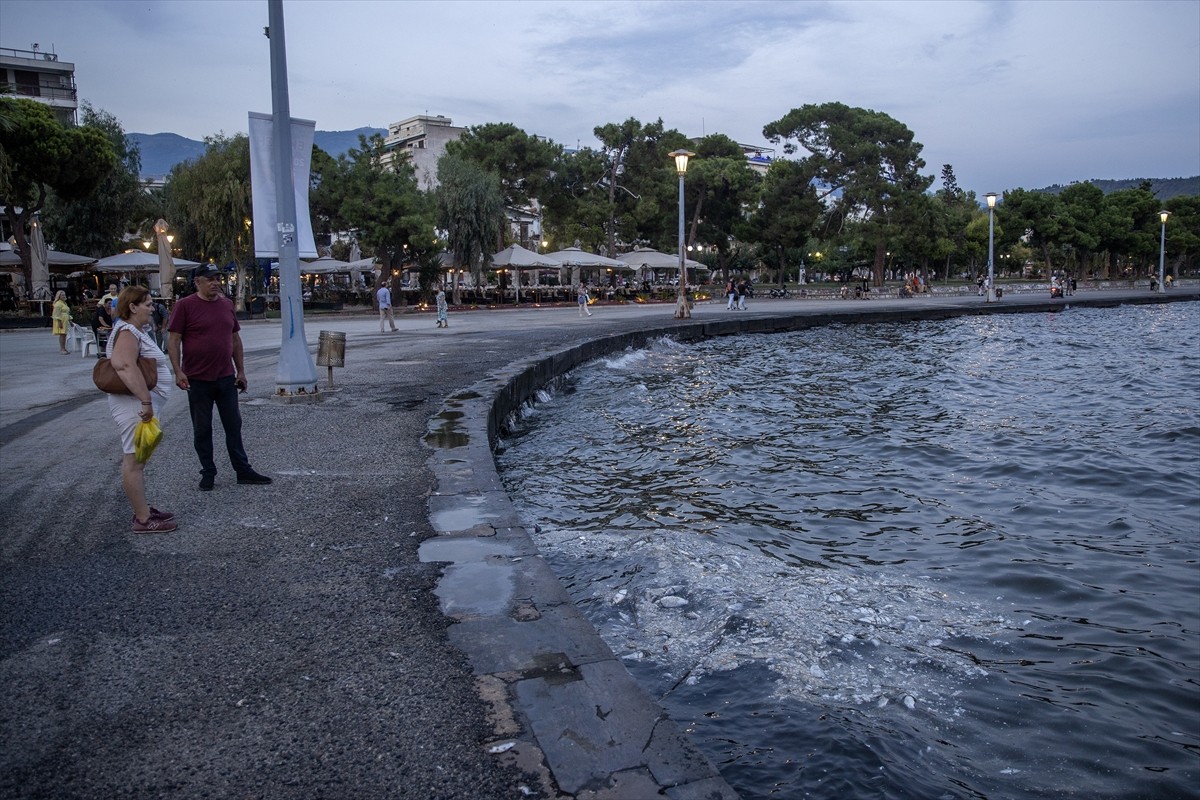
x,y
1010,93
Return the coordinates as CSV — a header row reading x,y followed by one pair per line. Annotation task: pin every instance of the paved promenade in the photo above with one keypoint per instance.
x,y
374,624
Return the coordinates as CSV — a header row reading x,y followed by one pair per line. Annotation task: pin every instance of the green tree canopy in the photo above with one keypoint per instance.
x,y
720,188
471,211
1033,216
208,202
787,212
523,163
380,200
952,212
643,203
872,160
1130,228
1082,206
575,206
96,225
1183,232
209,207
39,155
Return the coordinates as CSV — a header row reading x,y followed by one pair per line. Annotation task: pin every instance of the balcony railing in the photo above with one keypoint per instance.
x,y
44,92
35,55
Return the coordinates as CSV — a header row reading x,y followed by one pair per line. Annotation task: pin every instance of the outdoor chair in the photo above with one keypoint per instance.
x,y
79,337
99,341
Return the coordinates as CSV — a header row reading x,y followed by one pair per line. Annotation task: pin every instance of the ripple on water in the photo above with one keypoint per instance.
x,y
935,559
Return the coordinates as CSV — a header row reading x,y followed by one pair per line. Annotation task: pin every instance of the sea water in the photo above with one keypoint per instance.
x,y
930,559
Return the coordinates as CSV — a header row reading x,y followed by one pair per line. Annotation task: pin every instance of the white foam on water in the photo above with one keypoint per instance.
x,y
692,606
626,360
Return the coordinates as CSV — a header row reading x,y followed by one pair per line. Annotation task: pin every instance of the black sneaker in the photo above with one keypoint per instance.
x,y
253,478
206,483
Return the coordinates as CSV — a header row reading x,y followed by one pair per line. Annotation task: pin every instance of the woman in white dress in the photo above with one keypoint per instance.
x,y
126,344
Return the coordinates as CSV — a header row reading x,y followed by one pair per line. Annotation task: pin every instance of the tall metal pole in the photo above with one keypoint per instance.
x,y
296,374
991,291
1162,252
681,307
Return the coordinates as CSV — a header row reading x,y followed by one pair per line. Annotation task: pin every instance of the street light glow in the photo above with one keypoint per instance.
x,y
681,160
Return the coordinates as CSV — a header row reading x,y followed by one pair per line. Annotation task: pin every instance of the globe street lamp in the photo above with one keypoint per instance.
x,y
682,311
991,290
1162,250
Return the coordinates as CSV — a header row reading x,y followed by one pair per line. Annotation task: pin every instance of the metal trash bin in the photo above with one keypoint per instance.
x,y
331,351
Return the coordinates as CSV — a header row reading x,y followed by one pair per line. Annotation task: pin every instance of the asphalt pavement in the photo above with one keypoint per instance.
x,y
375,623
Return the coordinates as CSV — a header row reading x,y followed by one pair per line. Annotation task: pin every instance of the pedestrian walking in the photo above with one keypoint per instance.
x,y
583,300
61,318
741,295
126,345
731,295
441,307
384,296
206,356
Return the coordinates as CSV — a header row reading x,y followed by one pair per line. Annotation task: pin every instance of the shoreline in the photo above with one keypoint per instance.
x,y
374,623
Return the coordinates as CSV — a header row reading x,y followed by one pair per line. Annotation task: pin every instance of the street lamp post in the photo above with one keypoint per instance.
x,y
991,203
682,311
1162,250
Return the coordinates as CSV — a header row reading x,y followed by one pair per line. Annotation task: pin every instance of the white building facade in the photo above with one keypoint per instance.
x,y
41,76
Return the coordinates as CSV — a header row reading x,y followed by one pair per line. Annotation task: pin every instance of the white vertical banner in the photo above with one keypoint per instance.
x,y
262,184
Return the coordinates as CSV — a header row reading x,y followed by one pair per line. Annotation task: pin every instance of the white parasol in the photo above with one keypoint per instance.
x,y
166,264
39,271
137,261
324,266
644,258
575,258
519,258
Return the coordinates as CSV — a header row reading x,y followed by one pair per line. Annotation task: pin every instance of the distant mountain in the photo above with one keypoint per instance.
x,y
337,142
161,151
1162,188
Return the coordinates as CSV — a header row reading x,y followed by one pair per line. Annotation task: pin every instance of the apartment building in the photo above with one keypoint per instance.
x,y
423,139
41,76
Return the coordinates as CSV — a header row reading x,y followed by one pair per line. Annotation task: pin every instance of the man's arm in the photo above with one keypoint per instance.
x,y
174,350
238,363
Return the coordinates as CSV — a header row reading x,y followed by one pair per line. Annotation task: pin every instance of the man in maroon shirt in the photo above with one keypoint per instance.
x,y
206,355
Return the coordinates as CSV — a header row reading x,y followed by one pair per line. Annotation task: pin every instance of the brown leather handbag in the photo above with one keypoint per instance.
x,y
105,376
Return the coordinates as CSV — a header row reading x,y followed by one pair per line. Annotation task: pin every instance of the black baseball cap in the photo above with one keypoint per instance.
x,y
207,271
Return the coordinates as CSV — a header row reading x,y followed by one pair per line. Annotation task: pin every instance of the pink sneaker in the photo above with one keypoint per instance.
x,y
154,512
153,525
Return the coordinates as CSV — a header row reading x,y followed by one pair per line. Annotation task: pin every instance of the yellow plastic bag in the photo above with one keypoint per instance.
x,y
146,437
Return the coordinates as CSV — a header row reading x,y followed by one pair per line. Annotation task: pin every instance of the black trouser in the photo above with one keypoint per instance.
x,y
202,395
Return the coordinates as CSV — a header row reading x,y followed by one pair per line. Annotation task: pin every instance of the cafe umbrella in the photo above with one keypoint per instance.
x,y
54,258
518,258
166,263
137,261
576,259
38,260
645,258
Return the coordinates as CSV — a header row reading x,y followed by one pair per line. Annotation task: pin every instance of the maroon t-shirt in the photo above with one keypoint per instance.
x,y
207,327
